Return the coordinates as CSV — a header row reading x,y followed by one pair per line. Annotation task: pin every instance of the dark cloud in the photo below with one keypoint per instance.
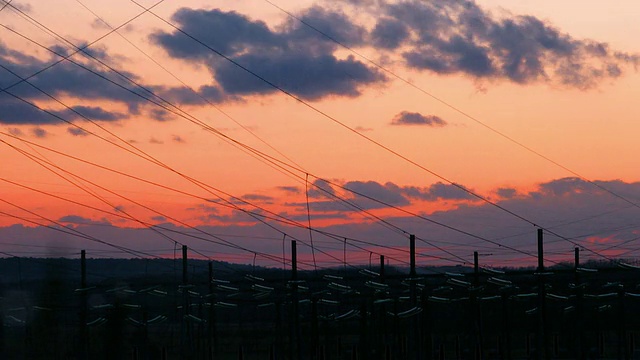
x,y
459,37
437,191
292,57
179,139
332,23
388,193
91,112
565,186
257,197
77,131
311,78
506,192
369,195
16,112
389,33
320,189
155,141
413,118
160,114
39,132
79,220
159,218
16,132
188,96
290,189
70,80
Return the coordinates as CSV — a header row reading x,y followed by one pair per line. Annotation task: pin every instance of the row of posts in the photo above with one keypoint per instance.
x,y
417,335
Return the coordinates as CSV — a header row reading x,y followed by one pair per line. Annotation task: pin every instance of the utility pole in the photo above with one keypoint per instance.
x,y
412,254
580,355
542,338
414,341
295,346
412,269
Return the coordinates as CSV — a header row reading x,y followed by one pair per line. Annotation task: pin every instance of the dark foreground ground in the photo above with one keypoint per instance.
x,y
154,309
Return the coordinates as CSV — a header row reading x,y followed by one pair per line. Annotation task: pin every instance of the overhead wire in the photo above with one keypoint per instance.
x,y
128,79
465,114
136,93
150,226
196,93
147,157
102,199
168,188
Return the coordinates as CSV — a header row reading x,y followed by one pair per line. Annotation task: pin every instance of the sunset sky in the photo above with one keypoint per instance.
x,y
230,126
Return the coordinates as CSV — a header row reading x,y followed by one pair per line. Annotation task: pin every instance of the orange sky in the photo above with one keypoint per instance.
x,y
589,129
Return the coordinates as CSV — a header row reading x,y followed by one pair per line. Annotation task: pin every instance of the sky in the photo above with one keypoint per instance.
x,y
130,128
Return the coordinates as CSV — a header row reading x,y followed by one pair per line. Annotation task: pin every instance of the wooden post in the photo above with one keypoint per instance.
x,y
294,260
540,250
580,341
414,337
84,336
185,278
412,254
381,268
476,269
295,346
542,349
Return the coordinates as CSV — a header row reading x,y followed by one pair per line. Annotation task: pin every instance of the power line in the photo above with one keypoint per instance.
x,y
467,115
448,181
210,103
163,100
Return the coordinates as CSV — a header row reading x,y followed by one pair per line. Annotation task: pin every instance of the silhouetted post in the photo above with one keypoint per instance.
x,y
294,260
381,268
295,338
580,354
84,336
476,269
185,278
412,267
542,342
414,333
412,254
